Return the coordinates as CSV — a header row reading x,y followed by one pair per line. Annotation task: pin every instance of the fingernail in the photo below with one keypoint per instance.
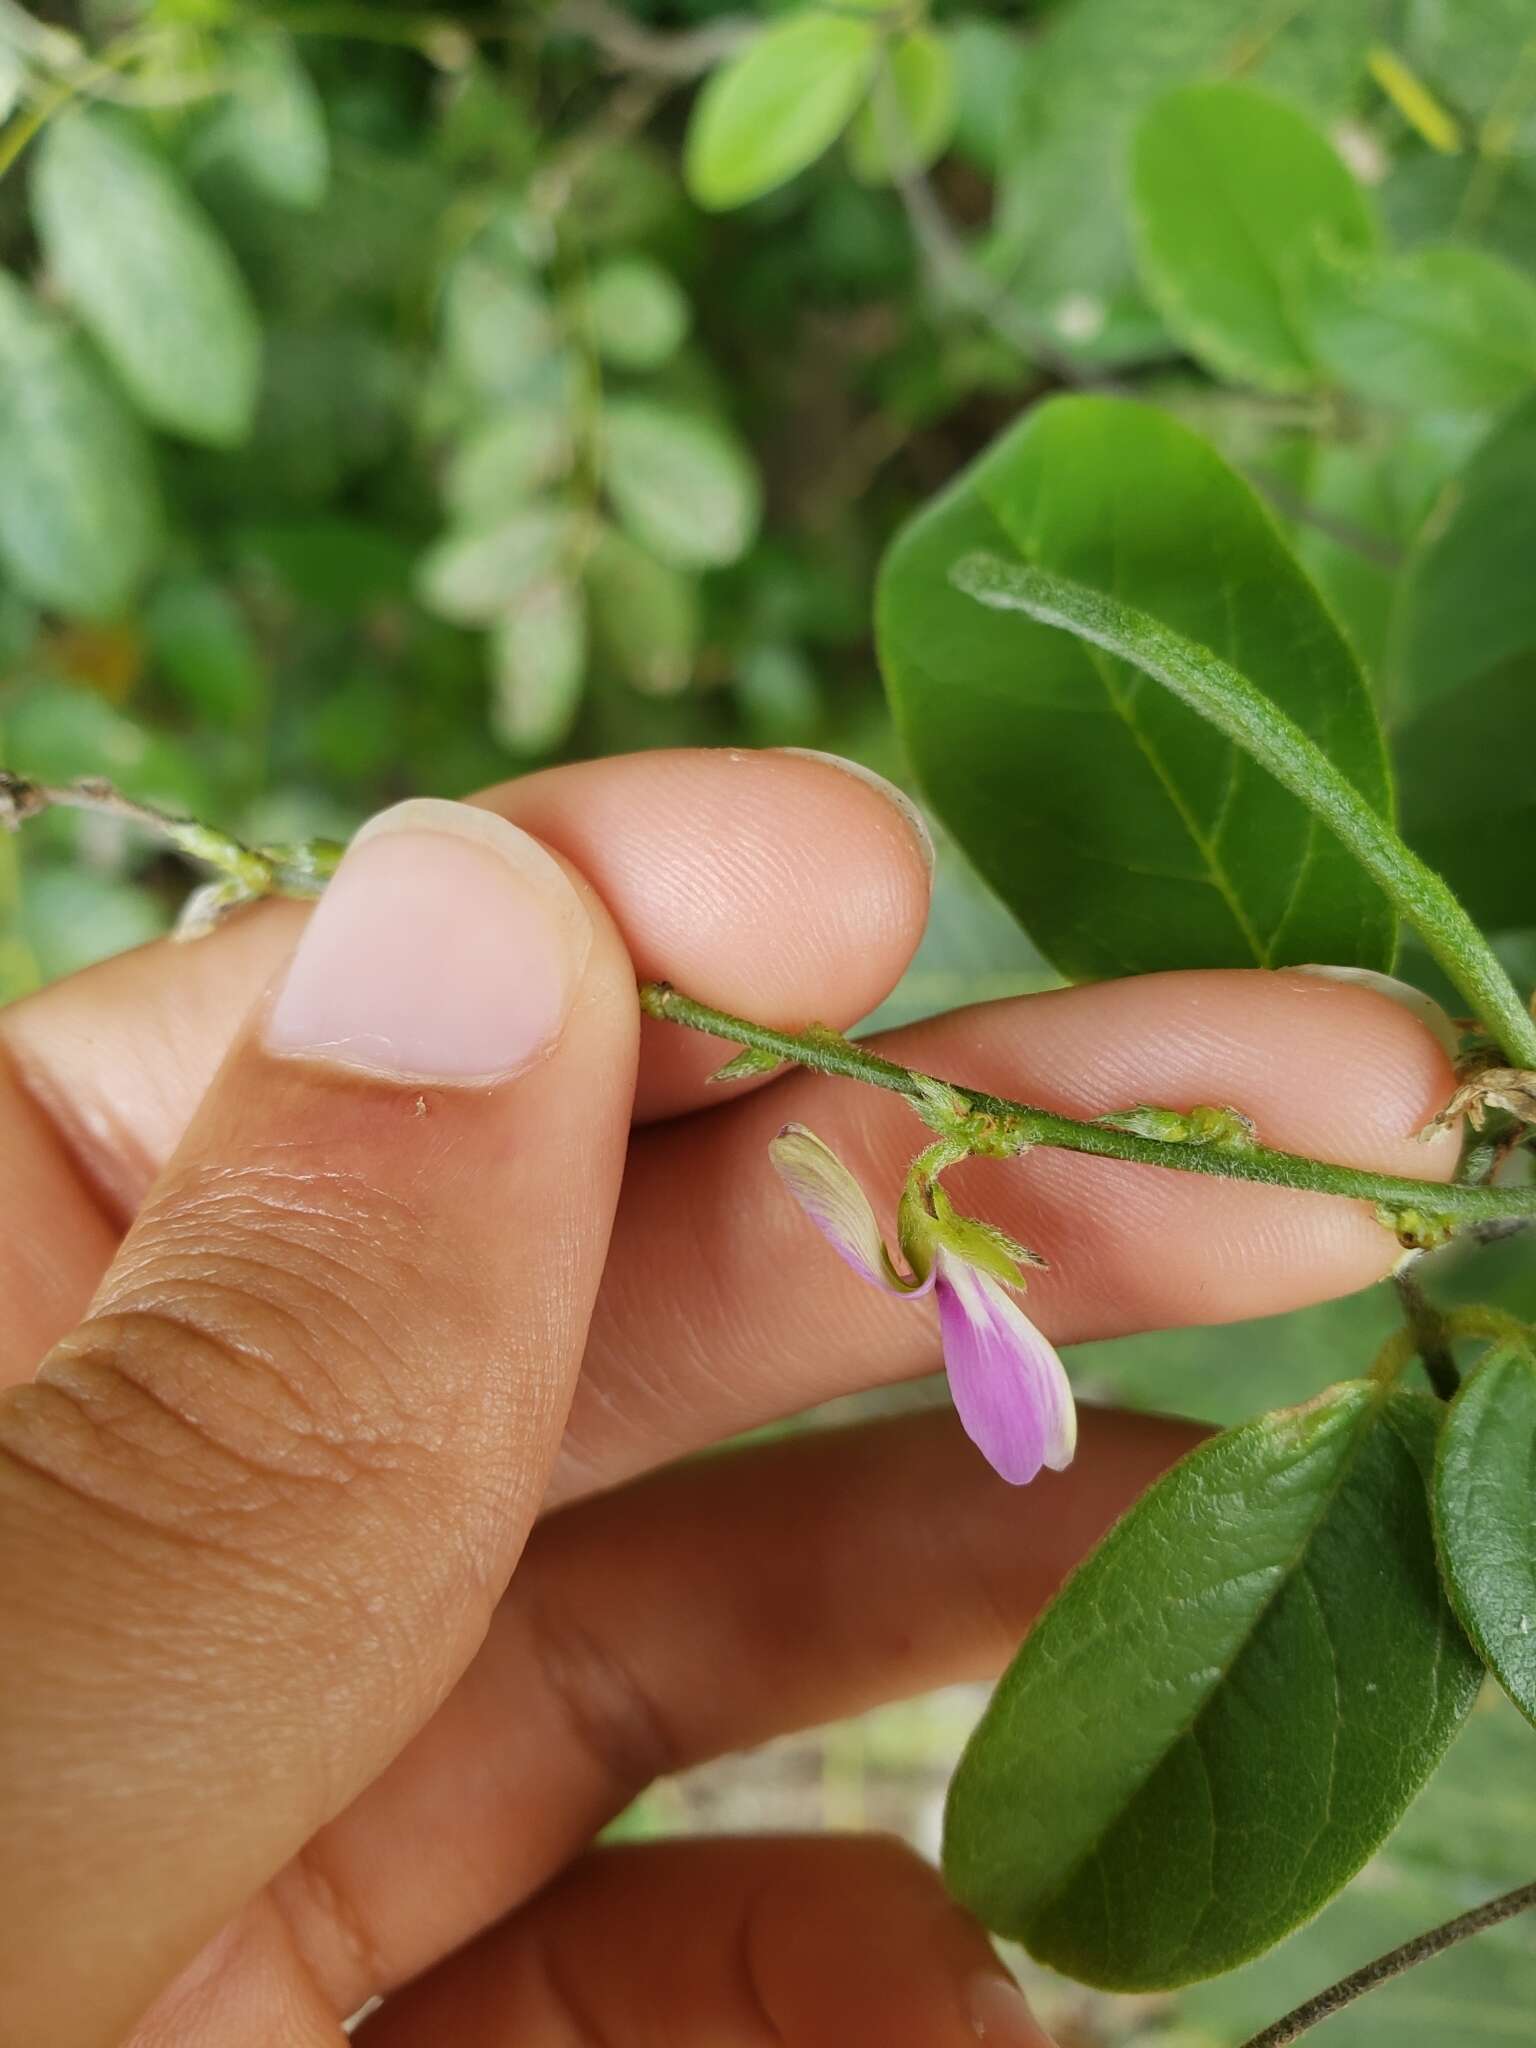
x,y
1001,2016
1413,1000
898,799
447,947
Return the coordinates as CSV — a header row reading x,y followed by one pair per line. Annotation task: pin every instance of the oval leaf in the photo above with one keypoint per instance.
x,y
638,313
1485,1515
1446,328
774,109
683,486
150,277
645,612
508,458
1469,599
269,134
539,651
909,117
1232,191
79,504
473,577
1124,833
1259,1653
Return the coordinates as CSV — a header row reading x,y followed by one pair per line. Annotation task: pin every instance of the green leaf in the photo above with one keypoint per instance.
x,y
1232,704
1124,833
149,275
773,110
1463,810
1063,222
474,576
203,647
1232,191
683,486
1448,328
991,64
79,505
269,132
639,313
645,613
510,457
1259,1653
498,326
909,117
1469,599
1466,1838
1485,1515
539,652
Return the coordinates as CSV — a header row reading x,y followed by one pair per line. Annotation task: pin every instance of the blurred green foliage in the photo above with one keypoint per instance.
x,y
392,398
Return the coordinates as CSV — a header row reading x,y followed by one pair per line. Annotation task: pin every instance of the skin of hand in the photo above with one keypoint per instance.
x,y
381,1267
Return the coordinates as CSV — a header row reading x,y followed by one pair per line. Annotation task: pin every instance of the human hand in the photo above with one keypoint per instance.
x,y
277,1732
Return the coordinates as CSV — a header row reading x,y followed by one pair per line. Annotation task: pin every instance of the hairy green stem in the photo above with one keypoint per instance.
x,y
1018,1122
1228,701
1428,1333
1421,1949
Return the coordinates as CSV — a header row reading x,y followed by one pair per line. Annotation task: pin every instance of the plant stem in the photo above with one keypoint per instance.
x,y
24,128
827,1053
1428,1330
248,872
1229,702
1421,1949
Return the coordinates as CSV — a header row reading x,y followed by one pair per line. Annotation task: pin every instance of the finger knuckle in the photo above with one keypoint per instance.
x,y
244,1359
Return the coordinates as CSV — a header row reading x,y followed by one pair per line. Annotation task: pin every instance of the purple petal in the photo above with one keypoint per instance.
x,y
1009,1387
838,1206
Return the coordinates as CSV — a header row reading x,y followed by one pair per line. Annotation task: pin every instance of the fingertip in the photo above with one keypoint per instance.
x,y
1369,1050
789,887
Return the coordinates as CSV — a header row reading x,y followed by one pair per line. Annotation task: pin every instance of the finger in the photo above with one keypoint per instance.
x,y
721,1308
715,865
256,1512
817,1943
700,1611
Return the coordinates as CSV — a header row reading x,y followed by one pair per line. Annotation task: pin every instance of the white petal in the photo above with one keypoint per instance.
x,y
1009,1387
838,1206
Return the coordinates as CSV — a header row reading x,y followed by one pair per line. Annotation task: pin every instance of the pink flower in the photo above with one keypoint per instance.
x,y
1009,1387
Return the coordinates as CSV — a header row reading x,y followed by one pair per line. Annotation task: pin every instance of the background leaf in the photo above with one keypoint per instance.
x,y
1124,833
80,516
474,577
1469,602
1442,327
645,614
1485,1515
269,134
639,314
149,275
909,116
1233,192
771,111
683,486
1258,1651
539,652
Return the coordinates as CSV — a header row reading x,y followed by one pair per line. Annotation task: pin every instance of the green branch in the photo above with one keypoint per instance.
x,y
1022,1125
1230,702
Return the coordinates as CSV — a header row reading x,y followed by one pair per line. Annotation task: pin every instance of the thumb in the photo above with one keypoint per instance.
x,y
255,1511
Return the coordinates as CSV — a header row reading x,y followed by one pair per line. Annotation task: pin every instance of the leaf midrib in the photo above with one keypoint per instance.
x,y
1369,1415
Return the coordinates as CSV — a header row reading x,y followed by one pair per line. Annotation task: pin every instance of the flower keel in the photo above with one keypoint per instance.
x,y
1009,1387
